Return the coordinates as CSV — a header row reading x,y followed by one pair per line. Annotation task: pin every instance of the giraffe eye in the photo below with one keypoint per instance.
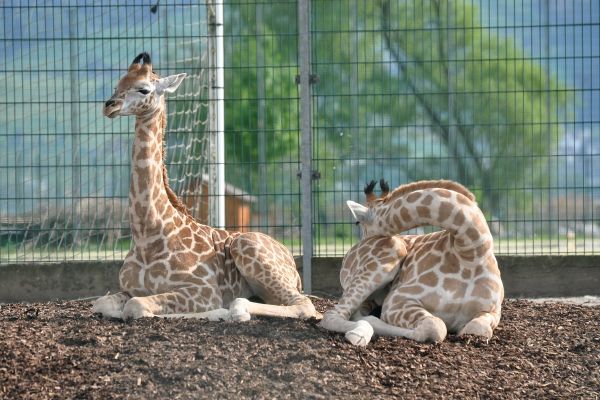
x,y
144,91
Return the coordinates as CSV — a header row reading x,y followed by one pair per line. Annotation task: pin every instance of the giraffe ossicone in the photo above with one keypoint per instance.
x,y
427,285
178,267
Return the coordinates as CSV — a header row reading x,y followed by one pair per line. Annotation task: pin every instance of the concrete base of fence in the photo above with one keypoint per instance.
x,y
523,276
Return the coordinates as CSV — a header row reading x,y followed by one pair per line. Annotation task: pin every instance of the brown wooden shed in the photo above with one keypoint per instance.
x,y
238,204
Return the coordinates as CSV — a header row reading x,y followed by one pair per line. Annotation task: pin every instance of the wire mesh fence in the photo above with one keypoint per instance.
x,y
503,96
65,167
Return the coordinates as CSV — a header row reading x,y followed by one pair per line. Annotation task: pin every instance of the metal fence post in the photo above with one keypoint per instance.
x,y
75,123
216,180
305,141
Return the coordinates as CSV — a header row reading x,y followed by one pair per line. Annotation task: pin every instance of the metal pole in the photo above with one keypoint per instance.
x,y
216,184
75,129
548,119
305,141
260,82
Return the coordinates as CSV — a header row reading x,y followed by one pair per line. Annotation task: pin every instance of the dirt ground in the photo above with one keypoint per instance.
x,y
60,350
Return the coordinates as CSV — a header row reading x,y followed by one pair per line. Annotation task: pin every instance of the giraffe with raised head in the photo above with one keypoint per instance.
x,y
178,267
427,285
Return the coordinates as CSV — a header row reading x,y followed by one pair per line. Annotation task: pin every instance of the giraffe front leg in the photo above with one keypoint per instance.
x,y
347,316
181,302
363,331
110,305
270,271
158,306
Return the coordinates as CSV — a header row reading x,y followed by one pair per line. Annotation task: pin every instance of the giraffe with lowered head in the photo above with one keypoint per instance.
x,y
178,267
427,285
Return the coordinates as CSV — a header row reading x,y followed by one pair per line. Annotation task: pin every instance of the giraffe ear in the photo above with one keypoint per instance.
x,y
169,84
361,213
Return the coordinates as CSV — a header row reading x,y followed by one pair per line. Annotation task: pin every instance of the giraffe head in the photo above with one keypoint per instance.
x,y
140,91
364,215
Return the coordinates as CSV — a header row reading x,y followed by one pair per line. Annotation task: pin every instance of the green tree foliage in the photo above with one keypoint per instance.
x,y
397,73
486,101
250,109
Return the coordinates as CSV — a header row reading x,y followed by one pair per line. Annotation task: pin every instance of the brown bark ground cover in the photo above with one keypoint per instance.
x,y
60,350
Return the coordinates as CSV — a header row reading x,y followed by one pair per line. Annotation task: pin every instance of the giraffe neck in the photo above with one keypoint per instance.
x,y
149,201
442,208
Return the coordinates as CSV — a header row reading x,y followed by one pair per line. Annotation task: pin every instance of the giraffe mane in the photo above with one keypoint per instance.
x,y
434,184
173,198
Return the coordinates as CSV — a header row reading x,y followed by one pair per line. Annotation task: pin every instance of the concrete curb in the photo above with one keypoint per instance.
x,y
523,277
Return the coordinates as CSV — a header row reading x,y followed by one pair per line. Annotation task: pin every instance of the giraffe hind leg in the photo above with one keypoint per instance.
x,y
413,319
242,309
270,270
430,329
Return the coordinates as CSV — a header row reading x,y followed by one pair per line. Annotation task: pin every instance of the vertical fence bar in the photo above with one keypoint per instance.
x,y
75,126
260,83
305,141
216,184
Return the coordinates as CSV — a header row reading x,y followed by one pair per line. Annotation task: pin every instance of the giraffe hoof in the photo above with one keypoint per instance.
x,y
361,335
238,310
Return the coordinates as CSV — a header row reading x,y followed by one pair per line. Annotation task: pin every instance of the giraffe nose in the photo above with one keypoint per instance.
x,y
109,103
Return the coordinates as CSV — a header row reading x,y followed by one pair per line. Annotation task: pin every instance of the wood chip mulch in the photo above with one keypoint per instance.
x,y
59,350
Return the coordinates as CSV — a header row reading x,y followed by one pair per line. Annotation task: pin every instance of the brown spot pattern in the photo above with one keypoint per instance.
x,y
429,279
427,200
424,212
445,211
451,265
413,197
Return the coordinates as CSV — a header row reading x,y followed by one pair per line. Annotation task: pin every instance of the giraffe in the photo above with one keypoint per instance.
x,y
178,267
427,285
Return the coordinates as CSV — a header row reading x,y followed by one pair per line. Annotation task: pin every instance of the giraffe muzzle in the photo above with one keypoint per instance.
x,y
111,108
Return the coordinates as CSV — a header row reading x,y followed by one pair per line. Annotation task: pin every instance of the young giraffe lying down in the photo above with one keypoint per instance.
x,y
427,285
178,267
